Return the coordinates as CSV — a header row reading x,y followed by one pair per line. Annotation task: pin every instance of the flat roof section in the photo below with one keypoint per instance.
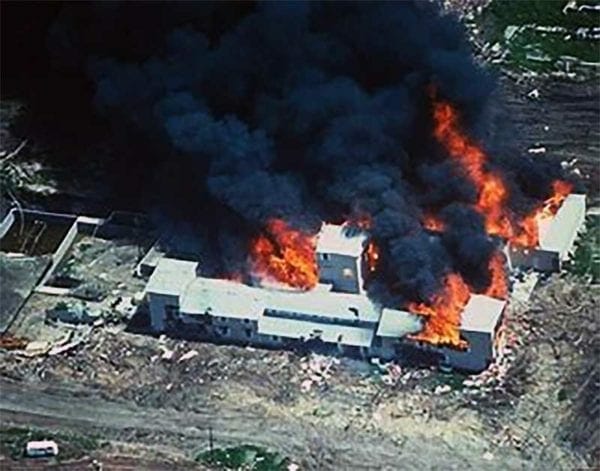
x,y
324,304
481,313
296,329
395,323
559,233
336,239
222,298
171,276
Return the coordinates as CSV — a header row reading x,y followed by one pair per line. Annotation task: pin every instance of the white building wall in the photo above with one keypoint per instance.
x,y
158,305
342,271
477,357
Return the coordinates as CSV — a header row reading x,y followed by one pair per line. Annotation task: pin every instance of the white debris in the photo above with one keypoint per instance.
x,y
306,385
488,456
37,348
534,94
442,389
318,368
167,354
187,356
537,150
510,31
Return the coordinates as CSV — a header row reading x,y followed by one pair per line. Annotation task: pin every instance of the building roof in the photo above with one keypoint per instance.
x,y
557,234
296,329
395,323
171,276
336,239
324,304
481,313
224,298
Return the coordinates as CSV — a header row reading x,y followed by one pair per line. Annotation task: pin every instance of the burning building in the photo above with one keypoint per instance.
x,y
556,236
249,125
334,315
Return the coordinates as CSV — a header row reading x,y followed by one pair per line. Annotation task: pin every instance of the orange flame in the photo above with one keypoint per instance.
x,y
433,223
529,236
285,255
498,287
443,313
372,256
491,189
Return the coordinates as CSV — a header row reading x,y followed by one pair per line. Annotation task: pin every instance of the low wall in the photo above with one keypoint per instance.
x,y
60,252
7,223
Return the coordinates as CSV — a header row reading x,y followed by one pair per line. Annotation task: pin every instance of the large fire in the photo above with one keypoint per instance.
x,y
285,255
529,237
443,313
498,287
491,189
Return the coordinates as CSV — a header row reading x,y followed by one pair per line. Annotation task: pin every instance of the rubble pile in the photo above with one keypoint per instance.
x,y
318,369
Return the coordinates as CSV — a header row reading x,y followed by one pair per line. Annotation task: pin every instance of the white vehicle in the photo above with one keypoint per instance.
x,y
41,448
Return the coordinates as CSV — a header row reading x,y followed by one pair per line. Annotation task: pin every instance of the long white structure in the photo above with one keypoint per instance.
x,y
557,235
336,315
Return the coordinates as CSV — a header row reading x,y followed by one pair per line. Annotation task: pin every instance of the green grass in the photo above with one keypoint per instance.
x,y
246,457
585,262
541,12
528,42
454,380
70,445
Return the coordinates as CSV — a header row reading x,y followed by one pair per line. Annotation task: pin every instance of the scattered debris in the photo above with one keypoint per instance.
x,y
318,368
187,356
37,348
73,313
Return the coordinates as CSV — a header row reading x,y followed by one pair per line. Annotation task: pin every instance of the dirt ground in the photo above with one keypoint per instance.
x,y
166,393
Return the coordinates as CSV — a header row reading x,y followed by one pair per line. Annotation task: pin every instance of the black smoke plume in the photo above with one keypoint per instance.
x,y
305,111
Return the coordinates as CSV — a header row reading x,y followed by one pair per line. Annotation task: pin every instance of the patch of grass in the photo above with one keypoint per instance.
x,y
541,51
246,457
70,445
454,380
541,12
585,262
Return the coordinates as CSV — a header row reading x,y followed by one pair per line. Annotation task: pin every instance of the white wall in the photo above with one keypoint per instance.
x,y
331,270
157,304
477,357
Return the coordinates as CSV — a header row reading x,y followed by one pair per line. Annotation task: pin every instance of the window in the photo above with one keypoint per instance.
x,y
224,330
340,337
275,338
324,256
348,273
246,321
248,333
